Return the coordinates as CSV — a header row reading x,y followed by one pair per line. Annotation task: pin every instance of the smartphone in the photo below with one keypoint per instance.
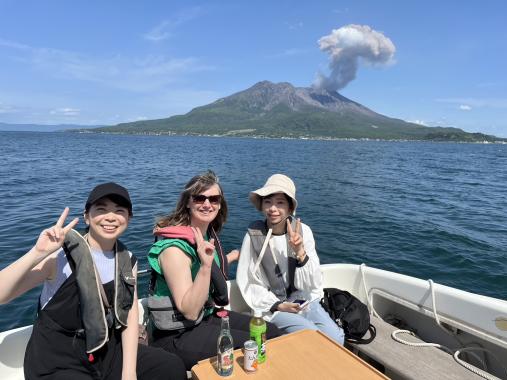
x,y
302,303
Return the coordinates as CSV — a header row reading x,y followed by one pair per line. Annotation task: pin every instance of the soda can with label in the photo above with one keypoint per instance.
x,y
250,356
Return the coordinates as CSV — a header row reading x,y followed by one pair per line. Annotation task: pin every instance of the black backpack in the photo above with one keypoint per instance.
x,y
350,314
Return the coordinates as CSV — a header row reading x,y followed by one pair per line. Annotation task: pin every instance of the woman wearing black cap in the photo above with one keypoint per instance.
x,y
87,323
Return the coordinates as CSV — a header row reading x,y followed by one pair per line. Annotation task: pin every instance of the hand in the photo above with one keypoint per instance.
x,y
296,240
233,256
289,307
52,238
205,249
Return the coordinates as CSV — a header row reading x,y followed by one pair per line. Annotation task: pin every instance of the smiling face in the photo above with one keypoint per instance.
x,y
204,207
276,208
106,221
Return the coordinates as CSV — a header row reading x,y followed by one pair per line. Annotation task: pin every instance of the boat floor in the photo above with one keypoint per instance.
x,y
400,361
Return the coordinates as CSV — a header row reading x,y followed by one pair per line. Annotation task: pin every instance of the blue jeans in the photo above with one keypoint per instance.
x,y
313,317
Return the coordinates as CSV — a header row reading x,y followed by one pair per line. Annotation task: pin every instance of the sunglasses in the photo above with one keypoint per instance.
x,y
213,199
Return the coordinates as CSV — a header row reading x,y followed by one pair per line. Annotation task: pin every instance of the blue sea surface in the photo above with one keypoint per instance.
x,y
430,210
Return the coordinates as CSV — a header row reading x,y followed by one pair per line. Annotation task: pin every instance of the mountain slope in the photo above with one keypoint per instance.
x,y
282,110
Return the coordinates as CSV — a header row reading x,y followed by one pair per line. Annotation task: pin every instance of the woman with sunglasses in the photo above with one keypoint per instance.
x,y
279,270
190,273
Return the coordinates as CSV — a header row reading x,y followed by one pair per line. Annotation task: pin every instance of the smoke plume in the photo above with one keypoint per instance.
x,y
348,46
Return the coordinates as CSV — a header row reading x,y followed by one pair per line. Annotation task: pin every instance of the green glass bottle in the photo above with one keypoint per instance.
x,y
258,334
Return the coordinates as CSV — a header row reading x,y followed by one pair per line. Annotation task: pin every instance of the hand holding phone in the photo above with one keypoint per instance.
x,y
302,303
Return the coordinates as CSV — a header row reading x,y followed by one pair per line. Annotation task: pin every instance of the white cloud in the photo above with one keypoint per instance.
x,y
143,74
339,11
420,122
476,102
290,53
164,30
65,111
13,45
177,102
488,84
46,108
465,107
294,25
159,33
7,108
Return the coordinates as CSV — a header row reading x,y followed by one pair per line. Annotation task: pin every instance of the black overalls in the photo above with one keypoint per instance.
x,y
56,349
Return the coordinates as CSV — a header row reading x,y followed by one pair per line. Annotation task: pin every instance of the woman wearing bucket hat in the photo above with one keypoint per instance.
x,y
189,276
87,322
279,270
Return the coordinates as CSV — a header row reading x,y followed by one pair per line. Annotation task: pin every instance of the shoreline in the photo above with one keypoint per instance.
x,y
494,140
311,138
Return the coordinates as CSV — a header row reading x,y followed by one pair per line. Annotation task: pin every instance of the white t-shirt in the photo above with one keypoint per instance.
x,y
104,262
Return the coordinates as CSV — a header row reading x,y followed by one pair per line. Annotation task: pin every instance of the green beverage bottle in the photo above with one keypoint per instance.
x,y
258,334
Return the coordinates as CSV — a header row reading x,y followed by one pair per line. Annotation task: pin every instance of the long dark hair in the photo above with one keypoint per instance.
x,y
197,185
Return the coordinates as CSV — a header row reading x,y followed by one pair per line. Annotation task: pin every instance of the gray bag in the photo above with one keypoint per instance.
x,y
166,316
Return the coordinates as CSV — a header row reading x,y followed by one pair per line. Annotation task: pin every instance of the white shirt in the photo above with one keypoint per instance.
x,y
254,287
104,262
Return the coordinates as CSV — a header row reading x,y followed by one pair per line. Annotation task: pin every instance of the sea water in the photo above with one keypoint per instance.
x,y
430,210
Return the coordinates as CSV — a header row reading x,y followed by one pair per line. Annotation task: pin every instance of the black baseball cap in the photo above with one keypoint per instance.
x,y
112,190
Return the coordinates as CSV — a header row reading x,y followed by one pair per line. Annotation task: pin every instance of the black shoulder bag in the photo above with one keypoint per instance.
x,y
350,314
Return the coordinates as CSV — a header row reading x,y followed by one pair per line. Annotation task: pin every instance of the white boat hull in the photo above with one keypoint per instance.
x,y
478,319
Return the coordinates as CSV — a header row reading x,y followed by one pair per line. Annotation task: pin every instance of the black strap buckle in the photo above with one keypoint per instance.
x,y
109,318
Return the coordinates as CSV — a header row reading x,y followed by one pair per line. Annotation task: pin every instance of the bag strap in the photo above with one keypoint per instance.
x,y
224,265
263,251
153,281
373,334
102,291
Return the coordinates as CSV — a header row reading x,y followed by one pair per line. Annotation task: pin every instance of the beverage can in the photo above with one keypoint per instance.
x,y
250,356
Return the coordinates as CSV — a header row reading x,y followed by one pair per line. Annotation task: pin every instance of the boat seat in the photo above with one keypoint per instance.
x,y
401,361
12,352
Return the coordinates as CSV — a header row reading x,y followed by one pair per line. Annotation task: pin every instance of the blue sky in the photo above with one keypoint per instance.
x,y
99,62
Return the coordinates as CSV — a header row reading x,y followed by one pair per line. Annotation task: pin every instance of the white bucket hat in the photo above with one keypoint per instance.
x,y
277,183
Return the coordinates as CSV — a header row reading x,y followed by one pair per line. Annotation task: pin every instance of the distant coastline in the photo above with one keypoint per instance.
x,y
491,140
80,130
9,127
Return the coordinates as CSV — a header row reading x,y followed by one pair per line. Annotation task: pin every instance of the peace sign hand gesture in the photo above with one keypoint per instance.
x,y
52,238
296,240
205,249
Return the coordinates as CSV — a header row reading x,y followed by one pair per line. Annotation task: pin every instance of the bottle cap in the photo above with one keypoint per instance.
x,y
257,313
222,313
